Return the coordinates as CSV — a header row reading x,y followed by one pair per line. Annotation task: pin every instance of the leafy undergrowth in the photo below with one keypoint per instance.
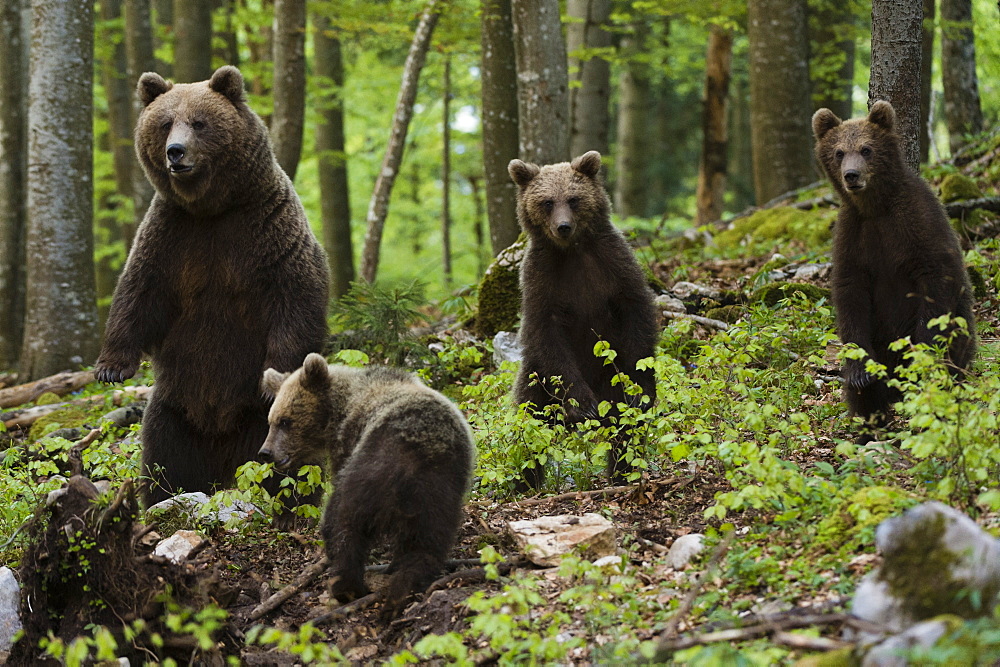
x,y
748,442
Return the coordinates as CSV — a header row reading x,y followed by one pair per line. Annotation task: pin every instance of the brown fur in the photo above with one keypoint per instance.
x,y
896,261
580,283
402,454
225,280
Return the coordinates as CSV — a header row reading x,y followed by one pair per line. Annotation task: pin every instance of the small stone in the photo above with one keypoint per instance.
x,y
190,504
608,561
685,290
547,539
684,549
812,271
10,604
669,303
179,546
506,347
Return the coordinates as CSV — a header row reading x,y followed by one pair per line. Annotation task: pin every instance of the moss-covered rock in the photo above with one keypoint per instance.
x,y
72,416
782,222
49,398
956,187
772,293
500,292
852,522
726,313
978,283
651,278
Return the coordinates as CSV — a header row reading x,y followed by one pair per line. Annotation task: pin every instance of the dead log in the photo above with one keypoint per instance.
x,y
311,572
28,416
957,208
60,384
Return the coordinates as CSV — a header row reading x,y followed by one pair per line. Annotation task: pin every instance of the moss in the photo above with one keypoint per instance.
x,y
783,222
956,187
49,398
725,313
978,283
772,293
500,292
851,525
905,571
651,279
72,416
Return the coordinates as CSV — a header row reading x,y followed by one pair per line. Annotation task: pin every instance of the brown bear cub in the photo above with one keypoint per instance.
x,y
580,284
402,457
225,279
896,261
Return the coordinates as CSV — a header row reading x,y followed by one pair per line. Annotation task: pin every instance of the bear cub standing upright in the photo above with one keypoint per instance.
x,y
225,279
580,283
897,263
402,454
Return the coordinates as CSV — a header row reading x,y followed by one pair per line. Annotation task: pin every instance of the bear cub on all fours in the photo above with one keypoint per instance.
x,y
402,458
580,284
897,263
224,280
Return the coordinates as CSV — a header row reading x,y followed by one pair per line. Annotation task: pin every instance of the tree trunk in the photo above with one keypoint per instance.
x,y
259,40
895,75
139,55
378,207
114,233
163,33
446,174
289,83
13,173
926,76
542,81
192,40
477,224
780,104
962,111
334,191
634,104
500,139
740,162
831,65
712,170
60,330
588,100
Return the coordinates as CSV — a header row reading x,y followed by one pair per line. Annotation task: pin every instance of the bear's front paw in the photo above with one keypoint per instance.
x,y
107,370
856,377
346,588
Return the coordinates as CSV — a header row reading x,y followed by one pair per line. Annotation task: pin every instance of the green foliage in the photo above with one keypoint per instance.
x,y
758,232
377,320
307,643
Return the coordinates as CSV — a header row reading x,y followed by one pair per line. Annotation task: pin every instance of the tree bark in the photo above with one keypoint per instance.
x,y
588,98
712,170
333,185
446,174
895,72
289,83
13,174
780,104
192,40
139,55
378,207
542,81
831,65
163,31
500,137
962,111
61,325
926,76
634,104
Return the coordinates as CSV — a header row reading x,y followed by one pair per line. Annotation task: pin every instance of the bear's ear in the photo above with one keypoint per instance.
x,y
271,382
522,172
315,373
883,115
588,164
824,120
228,81
151,85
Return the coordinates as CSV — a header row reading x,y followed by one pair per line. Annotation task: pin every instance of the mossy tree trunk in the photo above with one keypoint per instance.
x,y
780,103
962,110
895,76
287,120
500,138
335,199
13,174
192,40
588,99
60,330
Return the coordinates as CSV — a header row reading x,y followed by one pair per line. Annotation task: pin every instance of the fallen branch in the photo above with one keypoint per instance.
x,y
28,416
655,546
804,643
666,648
706,321
60,384
346,610
573,495
957,208
75,454
311,572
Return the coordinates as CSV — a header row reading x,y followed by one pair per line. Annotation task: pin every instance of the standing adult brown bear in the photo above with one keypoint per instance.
x,y
225,280
896,261
580,284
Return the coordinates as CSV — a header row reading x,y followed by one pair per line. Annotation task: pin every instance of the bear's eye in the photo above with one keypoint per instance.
x,y
866,152
198,125
166,125
573,201
284,423
839,155
548,204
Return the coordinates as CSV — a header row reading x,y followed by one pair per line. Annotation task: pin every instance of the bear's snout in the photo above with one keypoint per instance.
x,y
175,153
853,172
564,229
